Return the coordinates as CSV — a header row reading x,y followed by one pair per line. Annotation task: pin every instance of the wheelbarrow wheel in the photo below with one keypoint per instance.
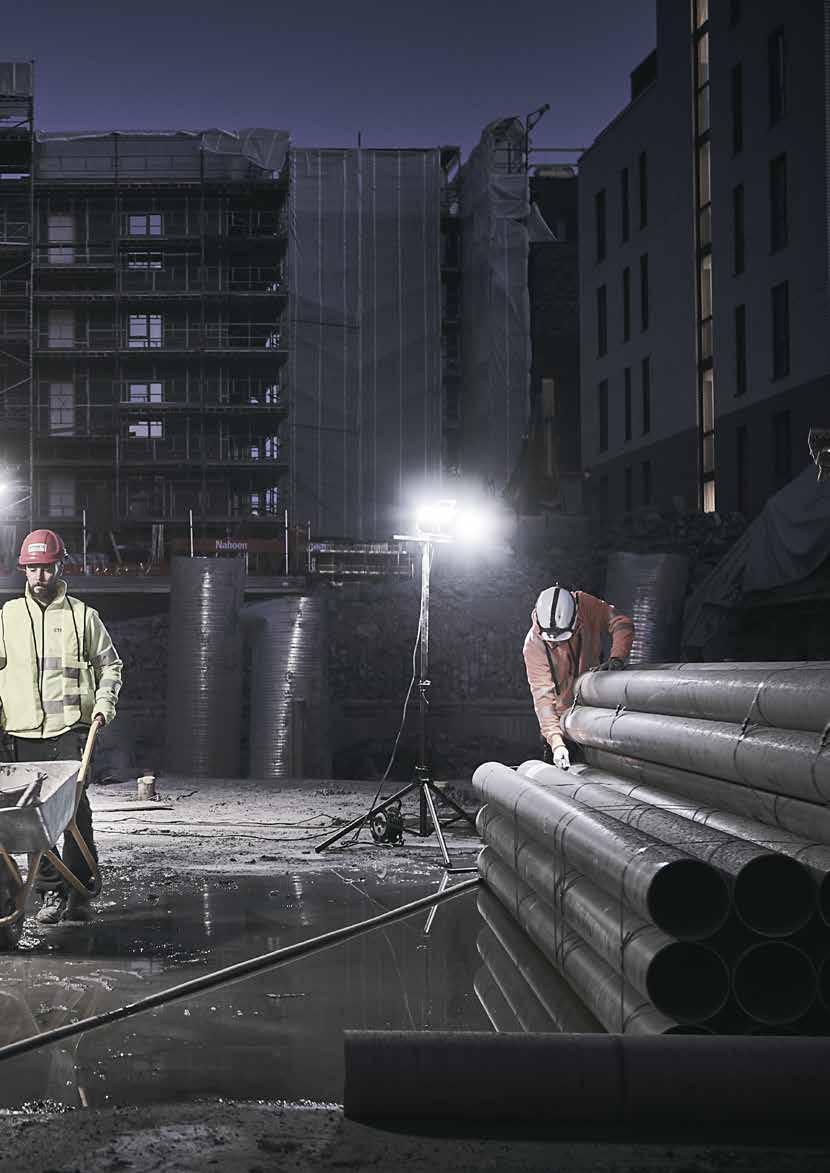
x,y
9,933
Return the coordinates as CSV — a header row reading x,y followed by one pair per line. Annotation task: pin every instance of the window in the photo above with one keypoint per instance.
x,y
701,12
707,444
644,299
777,65
625,208
61,409
626,303
60,229
642,173
736,101
145,430
740,350
702,82
782,448
627,401
602,408
61,329
144,224
602,321
629,489
599,216
778,227
645,388
704,195
645,471
780,330
145,393
145,332
738,240
61,496
144,260
741,482
705,280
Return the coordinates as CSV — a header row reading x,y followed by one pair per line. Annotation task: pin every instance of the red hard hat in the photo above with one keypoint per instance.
x,y
41,547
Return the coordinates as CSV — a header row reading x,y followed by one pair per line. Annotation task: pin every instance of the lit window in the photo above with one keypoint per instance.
x,y
146,393
145,332
144,224
61,409
144,260
146,430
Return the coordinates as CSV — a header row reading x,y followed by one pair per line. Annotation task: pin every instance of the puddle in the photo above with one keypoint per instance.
x,y
276,1035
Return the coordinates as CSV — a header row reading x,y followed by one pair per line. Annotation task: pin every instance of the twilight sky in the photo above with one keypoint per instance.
x,y
404,74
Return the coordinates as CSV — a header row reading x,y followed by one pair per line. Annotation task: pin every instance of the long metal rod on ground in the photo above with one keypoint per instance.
x,y
232,973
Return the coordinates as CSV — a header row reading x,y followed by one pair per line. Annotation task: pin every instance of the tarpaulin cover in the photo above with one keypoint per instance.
x,y
365,352
495,212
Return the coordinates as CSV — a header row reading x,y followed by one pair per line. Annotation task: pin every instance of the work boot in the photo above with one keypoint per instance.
x,y
52,908
77,908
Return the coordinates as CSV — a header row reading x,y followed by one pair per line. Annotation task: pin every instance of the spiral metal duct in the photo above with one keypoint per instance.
x,y
805,820
683,979
567,1011
774,982
682,895
779,760
289,716
204,673
614,1002
790,699
651,589
772,893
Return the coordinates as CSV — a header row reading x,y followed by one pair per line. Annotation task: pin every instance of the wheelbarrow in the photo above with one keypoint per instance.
x,y
38,803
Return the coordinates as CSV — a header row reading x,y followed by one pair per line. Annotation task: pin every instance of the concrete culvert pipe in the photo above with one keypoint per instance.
x,y
774,982
778,760
789,699
683,896
685,980
805,820
567,1011
771,893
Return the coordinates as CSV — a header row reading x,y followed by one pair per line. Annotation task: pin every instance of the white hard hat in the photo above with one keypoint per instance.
x,y
556,614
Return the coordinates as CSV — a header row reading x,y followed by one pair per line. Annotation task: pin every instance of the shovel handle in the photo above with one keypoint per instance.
x,y
87,754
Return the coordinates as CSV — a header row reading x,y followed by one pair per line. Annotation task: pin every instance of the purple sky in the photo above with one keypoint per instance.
x,y
405,74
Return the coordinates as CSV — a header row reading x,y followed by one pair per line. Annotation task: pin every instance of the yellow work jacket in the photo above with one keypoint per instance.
x,y
58,666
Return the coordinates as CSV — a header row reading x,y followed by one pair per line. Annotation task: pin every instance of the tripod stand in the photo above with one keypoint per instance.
x,y
422,782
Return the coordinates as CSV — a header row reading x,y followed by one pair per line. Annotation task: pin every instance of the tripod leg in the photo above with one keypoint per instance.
x,y
426,796
431,914
459,810
365,817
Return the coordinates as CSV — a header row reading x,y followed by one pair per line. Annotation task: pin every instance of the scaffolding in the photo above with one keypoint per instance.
x,y
157,351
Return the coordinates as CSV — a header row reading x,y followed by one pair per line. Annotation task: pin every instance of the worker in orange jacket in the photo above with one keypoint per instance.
x,y
565,640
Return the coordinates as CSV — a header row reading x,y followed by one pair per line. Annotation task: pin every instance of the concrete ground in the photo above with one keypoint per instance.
x,y
250,1077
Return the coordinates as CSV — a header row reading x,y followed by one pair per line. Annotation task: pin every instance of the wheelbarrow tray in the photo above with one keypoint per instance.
x,y
38,824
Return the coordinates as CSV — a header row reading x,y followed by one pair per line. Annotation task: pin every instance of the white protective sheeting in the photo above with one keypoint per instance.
x,y
365,351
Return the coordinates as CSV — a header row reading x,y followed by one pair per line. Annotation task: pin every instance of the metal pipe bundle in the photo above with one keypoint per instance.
x,y
772,893
567,1011
774,982
684,896
614,1001
684,980
778,760
792,698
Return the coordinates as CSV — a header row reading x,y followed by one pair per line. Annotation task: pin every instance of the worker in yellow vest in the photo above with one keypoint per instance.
x,y
59,672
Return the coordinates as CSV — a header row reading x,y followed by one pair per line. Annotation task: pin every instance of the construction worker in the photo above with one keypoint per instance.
x,y
565,640
59,672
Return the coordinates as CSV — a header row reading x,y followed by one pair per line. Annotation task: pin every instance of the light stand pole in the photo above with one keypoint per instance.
x,y
427,790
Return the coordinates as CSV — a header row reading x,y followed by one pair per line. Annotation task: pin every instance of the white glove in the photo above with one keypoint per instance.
x,y
561,758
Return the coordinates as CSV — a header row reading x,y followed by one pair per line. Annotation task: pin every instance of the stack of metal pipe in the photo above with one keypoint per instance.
x,y
680,881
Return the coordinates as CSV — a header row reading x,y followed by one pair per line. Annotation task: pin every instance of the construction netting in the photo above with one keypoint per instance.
x,y
495,341
365,350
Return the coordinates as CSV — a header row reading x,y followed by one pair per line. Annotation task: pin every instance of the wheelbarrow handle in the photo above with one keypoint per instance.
x,y
87,754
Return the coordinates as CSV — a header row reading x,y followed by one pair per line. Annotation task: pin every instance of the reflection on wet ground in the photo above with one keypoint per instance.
x,y
277,1035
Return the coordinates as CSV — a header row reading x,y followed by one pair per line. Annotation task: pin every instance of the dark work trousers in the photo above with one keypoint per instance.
x,y
68,746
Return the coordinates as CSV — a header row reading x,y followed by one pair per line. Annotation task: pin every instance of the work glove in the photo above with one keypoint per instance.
x,y
612,665
561,758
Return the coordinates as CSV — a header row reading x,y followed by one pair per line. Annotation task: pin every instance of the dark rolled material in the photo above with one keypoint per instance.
x,y
567,1011
815,857
518,995
204,667
493,1002
683,896
791,698
613,1000
774,982
772,894
579,1084
779,760
803,819
289,721
683,979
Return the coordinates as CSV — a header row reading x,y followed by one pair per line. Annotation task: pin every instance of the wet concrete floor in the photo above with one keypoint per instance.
x,y
277,1035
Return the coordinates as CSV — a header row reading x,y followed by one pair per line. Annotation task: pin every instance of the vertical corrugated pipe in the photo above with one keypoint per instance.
x,y
204,672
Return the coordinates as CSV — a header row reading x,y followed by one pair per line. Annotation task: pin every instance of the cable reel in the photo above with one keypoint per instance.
x,y
387,825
